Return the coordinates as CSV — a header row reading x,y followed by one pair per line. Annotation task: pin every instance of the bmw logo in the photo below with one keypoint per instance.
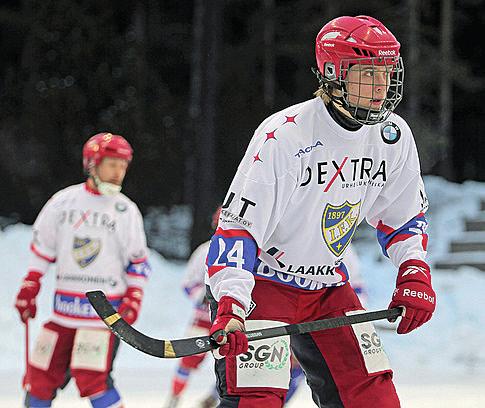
x,y
390,132
121,207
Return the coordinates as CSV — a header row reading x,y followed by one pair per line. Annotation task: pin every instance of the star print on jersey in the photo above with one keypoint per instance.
x,y
256,158
339,223
290,119
272,136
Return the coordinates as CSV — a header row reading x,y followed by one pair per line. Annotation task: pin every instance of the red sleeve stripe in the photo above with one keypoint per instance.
x,y
212,270
403,237
136,275
425,242
233,233
139,260
386,229
44,257
398,238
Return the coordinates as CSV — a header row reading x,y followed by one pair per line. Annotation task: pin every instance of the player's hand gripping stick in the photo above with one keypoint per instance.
x,y
415,293
228,327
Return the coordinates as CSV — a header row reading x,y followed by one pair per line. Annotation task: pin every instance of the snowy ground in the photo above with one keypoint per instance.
x,y
440,365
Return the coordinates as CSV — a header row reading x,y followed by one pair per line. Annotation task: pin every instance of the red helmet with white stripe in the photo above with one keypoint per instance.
x,y
104,145
346,41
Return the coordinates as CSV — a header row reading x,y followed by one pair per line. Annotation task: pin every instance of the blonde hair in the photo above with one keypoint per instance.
x,y
321,92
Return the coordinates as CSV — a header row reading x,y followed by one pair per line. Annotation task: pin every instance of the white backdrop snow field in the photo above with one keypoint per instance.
x,y
440,365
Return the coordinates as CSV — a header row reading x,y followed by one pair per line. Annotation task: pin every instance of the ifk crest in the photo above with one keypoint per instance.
x,y
339,224
85,250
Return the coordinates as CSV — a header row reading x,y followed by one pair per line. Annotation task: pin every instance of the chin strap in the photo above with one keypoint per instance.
x,y
105,188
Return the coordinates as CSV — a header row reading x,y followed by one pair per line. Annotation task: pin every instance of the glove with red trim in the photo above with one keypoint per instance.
x,y
130,304
415,293
228,327
25,302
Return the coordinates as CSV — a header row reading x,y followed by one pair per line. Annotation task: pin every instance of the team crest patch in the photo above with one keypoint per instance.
x,y
338,225
85,250
390,132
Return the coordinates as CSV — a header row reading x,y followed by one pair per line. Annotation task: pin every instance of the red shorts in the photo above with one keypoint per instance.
x,y
345,367
61,353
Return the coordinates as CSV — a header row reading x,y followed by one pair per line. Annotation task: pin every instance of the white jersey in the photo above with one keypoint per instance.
x,y
97,243
302,188
193,281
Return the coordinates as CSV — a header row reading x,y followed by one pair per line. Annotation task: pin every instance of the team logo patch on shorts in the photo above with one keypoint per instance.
x,y
390,132
85,250
266,364
339,224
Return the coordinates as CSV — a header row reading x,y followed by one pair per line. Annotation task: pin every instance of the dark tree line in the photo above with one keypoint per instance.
x,y
188,82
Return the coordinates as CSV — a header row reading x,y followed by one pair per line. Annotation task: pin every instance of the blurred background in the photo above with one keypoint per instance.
x,y
188,82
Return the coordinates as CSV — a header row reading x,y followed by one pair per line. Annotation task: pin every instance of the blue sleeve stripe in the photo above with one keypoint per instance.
x,y
231,250
388,236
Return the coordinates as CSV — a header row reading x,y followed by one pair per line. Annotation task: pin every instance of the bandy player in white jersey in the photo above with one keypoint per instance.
x,y
311,174
95,236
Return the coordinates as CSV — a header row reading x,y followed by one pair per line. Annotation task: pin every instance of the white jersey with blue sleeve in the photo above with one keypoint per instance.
x,y
97,243
300,192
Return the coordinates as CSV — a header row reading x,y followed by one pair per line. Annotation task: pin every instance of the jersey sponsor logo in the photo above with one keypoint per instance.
x,y
77,306
313,270
80,218
339,224
267,362
370,344
230,217
246,203
390,132
85,250
98,280
350,173
301,282
271,356
44,348
73,306
90,349
308,149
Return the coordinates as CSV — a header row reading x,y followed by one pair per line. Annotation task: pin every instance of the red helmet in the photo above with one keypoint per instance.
x,y
104,145
346,41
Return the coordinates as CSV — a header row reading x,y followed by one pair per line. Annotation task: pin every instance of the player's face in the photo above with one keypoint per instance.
x,y
367,85
112,170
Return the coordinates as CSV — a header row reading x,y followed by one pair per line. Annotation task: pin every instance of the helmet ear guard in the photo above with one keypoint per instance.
x,y
330,72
